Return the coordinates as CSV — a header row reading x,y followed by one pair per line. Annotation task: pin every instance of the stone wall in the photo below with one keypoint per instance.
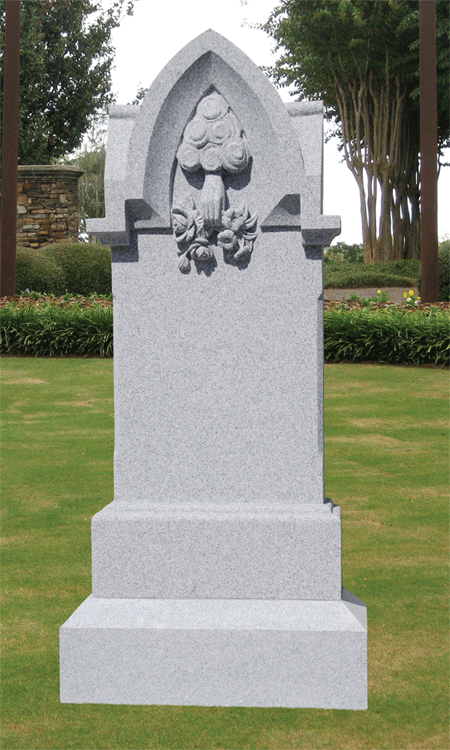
x,y
47,204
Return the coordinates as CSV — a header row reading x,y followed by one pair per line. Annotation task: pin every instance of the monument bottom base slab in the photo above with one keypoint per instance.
x,y
293,654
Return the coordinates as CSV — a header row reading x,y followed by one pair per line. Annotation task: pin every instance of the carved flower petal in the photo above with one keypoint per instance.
x,y
188,157
179,221
251,221
227,240
220,130
211,158
212,107
243,252
237,223
202,252
196,132
184,264
236,155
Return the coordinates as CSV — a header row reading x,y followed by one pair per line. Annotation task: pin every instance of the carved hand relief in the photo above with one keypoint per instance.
x,y
213,141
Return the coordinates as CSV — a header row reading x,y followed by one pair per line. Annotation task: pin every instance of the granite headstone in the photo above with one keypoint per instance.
x,y
216,570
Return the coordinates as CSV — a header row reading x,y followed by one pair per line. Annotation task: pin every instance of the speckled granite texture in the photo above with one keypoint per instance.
x,y
233,551
217,568
216,653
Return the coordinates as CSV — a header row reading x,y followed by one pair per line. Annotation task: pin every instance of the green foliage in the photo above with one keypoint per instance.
x,y
37,270
341,251
393,336
443,271
87,267
91,186
51,331
327,43
344,274
80,268
362,59
66,59
91,158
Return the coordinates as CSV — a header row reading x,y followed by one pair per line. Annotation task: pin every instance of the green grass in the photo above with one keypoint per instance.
x,y
387,466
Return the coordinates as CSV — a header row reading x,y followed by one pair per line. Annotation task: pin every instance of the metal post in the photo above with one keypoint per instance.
x,y
428,151
10,149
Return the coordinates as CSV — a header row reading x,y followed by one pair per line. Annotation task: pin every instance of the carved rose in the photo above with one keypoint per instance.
x,y
183,224
188,157
196,132
235,155
211,158
212,107
228,240
201,251
220,131
233,219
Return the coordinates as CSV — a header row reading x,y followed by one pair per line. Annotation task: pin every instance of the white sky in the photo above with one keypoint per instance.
x,y
146,41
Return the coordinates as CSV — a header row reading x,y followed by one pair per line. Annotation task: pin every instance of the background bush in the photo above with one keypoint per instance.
x,y
79,268
87,267
345,274
444,271
342,252
38,271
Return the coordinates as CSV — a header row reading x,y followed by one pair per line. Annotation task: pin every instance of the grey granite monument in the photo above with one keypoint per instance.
x,y
216,570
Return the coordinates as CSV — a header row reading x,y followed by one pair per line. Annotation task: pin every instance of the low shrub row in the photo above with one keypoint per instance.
x,y
348,275
52,331
391,335
81,267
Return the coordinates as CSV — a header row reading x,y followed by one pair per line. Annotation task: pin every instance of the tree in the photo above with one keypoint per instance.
x,y
91,158
362,59
66,62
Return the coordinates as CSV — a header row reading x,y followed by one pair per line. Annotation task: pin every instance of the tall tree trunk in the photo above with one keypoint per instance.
x,y
380,151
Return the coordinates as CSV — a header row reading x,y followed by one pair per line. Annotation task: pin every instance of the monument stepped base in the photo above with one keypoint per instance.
x,y
222,652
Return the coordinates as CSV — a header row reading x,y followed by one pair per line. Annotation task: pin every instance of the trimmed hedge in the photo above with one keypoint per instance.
x,y
37,270
52,331
347,275
392,335
82,268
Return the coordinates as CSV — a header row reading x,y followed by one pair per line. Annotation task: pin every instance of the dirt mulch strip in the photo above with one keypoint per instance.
x,y
333,298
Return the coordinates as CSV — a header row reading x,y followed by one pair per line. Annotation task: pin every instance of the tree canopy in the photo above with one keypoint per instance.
x,y
66,62
362,59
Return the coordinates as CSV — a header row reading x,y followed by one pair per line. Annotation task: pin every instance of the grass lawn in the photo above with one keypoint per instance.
x,y
387,466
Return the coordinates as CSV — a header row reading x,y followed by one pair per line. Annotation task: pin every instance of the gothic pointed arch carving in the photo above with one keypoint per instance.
x,y
209,64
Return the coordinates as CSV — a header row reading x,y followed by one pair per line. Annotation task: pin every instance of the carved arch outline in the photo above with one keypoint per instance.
x,y
211,61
